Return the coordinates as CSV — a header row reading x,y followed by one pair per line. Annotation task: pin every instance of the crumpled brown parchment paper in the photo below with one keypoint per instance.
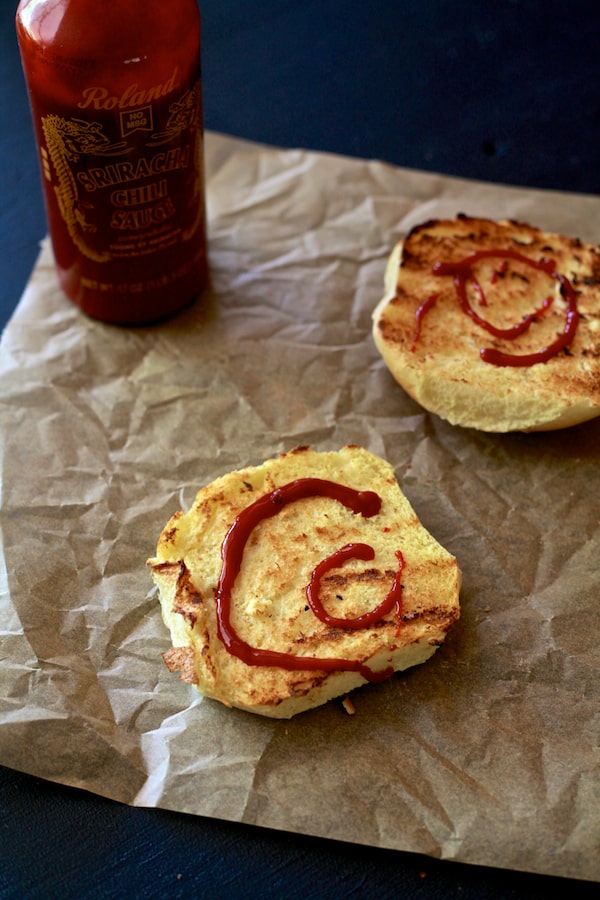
x,y
487,754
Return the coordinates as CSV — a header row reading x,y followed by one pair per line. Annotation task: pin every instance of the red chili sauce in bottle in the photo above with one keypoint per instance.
x,y
115,95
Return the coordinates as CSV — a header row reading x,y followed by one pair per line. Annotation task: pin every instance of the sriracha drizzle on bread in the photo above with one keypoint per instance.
x,y
368,504
463,274
295,581
534,295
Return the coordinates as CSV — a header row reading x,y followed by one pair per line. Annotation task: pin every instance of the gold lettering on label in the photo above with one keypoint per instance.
x,y
138,196
99,98
134,219
114,174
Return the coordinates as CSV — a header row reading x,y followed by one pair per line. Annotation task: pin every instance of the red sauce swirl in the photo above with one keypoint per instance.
x,y
368,504
421,313
462,272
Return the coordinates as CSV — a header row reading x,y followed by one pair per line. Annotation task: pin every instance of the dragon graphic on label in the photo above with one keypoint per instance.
x,y
67,141
184,115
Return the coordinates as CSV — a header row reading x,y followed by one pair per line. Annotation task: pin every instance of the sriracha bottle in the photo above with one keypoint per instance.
x,y
115,95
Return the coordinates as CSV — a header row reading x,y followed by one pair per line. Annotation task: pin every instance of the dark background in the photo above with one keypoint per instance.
x,y
505,91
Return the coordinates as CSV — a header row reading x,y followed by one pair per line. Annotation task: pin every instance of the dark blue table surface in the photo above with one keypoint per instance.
x,y
505,91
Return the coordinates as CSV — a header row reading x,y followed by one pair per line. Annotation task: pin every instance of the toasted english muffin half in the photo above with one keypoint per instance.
x,y
267,615
456,294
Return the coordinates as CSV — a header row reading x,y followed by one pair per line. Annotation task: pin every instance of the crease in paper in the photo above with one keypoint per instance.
x,y
486,754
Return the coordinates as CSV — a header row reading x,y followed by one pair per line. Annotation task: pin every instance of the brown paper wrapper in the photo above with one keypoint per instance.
x,y
486,754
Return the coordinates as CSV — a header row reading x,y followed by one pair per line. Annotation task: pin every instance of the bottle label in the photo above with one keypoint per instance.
x,y
127,174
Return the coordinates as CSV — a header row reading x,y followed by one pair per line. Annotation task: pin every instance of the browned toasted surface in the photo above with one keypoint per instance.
x,y
269,603
443,369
